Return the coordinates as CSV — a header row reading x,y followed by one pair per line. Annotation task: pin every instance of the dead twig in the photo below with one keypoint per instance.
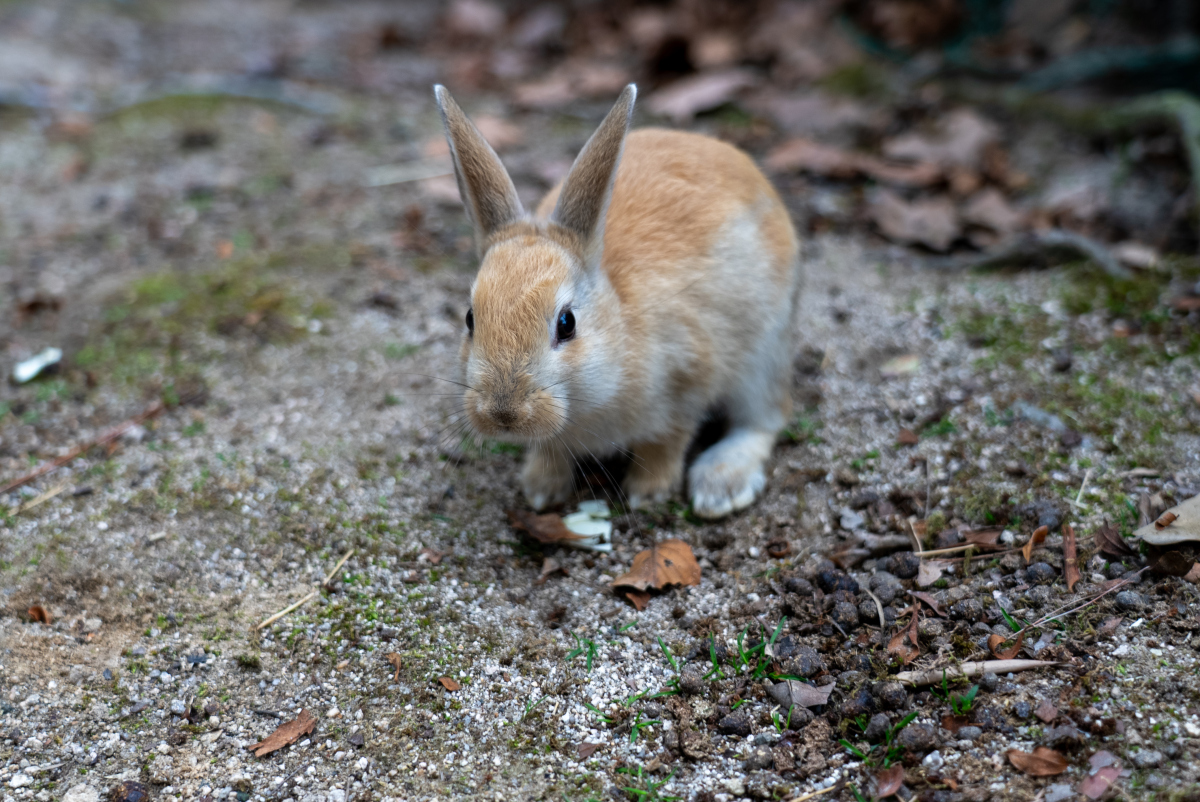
x,y
329,577
287,610
42,499
878,608
973,669
1036,244
78,451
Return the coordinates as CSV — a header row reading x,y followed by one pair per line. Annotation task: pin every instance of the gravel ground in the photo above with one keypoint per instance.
x,y
224,254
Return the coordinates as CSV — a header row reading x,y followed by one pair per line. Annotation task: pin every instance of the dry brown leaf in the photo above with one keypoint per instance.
x,y
670,562
450,684
434,557
548,528
907,437
928,599
995,641
1193,574
1109,626
954,723
1046,711
959,140
1070,558
550,566
1039,535
991,209
39,614
1109,541
888,781
586,750
640,599
1044,762
778,549
1165,520
983,538
932,222
801,154
790,692
285,734
684,99
910,650
928,572
1172,563
394,659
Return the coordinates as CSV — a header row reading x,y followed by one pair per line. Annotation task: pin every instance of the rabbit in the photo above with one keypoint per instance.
x,y
656,284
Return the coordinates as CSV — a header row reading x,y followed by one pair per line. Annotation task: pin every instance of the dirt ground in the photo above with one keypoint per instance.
x,y
202,205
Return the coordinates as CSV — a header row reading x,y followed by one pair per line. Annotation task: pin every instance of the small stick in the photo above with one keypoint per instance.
x,y
287,610
974,669
43,498
814,794
341,562
75,453
912,528
878,606
1079,498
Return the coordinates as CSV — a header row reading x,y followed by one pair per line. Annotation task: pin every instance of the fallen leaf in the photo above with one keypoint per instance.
x,y
910,650
1097,785
984,538
928,599
959,140
791,692
990,209
1108,539
907,437
805,155
1102,759
449,684
670,562
1179,524
586,750
39,614
1109,626
1193,574
888,781
640,599
433,557
1044,762
778,549
224,249
285,734
394,659
550,566
548,528
475,18
1172,563
1070,558
684,99
928,572
1038,536
954,723
1046,711
994,642
932,222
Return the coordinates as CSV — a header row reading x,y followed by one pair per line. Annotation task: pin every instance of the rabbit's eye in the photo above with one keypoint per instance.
x,y
470,322
566,326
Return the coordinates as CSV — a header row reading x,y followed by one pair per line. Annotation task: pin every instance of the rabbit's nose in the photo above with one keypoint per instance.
x,y
504,416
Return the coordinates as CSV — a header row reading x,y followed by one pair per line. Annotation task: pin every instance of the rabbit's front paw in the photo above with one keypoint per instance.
x,y
729,476
546,479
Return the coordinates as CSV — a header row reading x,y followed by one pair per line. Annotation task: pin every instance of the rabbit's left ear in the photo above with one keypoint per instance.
x,y
486,190
583,200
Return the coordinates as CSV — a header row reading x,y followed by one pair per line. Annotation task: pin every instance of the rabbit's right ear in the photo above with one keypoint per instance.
x,y
486,190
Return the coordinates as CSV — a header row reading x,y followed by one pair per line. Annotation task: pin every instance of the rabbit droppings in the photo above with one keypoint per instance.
x,y
655,285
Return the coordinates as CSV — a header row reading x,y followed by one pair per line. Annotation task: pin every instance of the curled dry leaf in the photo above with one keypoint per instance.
x,y
1038,537
932,222
550,566
929,571
1193,574
39,614
1165,520
640,599
1070,557
548,528
394,659
889,781
670,562
1109,541
907,437
826,160
1046,711
450,684
687,97
1109,626
983,538
778,549
285,734
928,599
1172,563
904,644
996,641
954,723
1043,762
790,692
586,750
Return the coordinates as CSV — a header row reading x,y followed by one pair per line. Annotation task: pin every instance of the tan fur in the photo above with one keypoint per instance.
x,y
681,274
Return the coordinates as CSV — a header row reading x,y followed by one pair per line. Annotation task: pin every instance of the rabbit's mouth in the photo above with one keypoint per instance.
x,y
517,417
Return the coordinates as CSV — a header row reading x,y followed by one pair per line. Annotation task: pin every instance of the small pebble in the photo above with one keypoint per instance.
x,y
989,682
759,758
1022,709
1130,600
969,732
877,728
1040,574
918,737
1147,758
890,694
735,724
